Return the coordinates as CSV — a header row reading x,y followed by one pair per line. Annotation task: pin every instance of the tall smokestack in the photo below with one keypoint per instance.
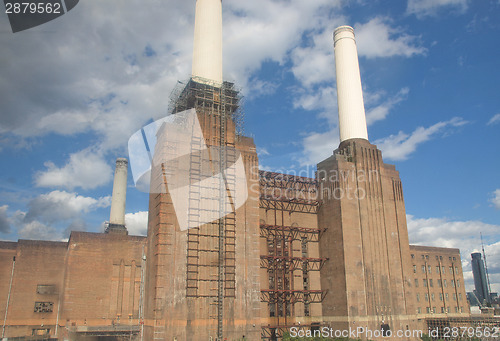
x,y
207,51
352,119
117,215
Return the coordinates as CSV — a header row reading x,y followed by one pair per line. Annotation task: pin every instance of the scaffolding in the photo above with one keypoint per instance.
x,y
288,193
288,255
211,247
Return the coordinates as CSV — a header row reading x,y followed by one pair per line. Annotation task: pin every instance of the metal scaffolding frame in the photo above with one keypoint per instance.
x,y
289,193
292,194
211,248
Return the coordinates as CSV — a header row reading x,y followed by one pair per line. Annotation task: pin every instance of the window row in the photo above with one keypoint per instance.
x,y
439,269
440,284
437,257
446,297
443,310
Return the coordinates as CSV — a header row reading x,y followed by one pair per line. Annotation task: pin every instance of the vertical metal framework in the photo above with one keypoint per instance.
x,y
293,194
211,255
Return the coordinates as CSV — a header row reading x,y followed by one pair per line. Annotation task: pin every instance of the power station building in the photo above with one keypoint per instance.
x,y
236,253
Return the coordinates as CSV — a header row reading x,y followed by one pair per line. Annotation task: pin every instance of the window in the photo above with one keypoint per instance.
x,y
40,331
437,258
426,256
412,256
456,309
440,257
272,310
418,297
448,309
444,283
446,297
429,269
460,296
443,270
425,283
43,307
428,309
458,283
433,297
46,289
426,297
440,284
433,310
452,283
419,310
416,282
437,269
442,310
423,256
454,297
414,269
430,283
456,269
451,270
454,258
441,297
461,309
423,269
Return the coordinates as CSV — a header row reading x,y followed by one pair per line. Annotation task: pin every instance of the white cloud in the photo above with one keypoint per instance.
x,y
402,145
48,212
61,205
495,200
4,220
137,223
377,39
464,235
494,120
84,169
381,111
38,231
423,8
319,146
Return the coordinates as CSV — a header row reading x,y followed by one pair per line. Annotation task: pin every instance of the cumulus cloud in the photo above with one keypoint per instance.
x,y
84,169
423,8
402,145
137,223
319,146
495,200
494,120
4,220
377,38
48,212
61,205
380,111
464,235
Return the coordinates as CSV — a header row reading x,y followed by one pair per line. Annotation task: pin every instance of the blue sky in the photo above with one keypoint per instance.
x,y
74,90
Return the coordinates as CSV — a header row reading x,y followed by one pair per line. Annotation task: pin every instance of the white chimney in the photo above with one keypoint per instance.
x,y
117,215
352,119
207,50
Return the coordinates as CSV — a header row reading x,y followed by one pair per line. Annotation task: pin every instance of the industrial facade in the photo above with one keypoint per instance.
x,y
299,252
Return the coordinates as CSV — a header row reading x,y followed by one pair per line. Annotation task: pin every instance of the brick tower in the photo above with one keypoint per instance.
x,y
363,211
203,231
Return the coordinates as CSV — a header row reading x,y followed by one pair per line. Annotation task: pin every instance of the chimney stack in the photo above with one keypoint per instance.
x,y
117,215
352,119
207,49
